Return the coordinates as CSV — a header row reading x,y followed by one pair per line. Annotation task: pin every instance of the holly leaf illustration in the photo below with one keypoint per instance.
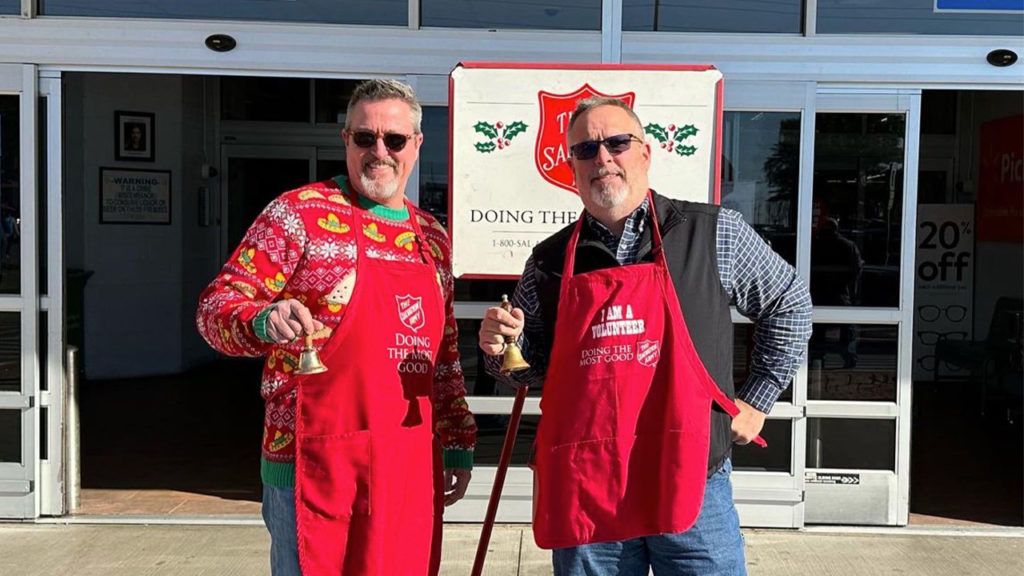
x,y
485,147
686,150
513,129
656,130
486,129
685,132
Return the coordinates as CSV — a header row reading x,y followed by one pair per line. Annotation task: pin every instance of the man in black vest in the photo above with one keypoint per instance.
x,y
712,258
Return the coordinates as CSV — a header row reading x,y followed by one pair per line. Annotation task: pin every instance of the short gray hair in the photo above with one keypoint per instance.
x,y
379,89
588,104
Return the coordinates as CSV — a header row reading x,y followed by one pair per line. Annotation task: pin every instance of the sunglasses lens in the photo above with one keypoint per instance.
x,y
615,144
395,142
364,139
585,150
618,144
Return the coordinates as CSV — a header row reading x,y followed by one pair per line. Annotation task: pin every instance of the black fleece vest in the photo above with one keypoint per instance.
x,y
689,233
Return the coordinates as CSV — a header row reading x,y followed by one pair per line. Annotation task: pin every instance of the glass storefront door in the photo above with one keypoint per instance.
x,y
861,270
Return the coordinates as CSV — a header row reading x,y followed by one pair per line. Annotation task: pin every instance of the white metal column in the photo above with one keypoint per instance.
x,y
51,483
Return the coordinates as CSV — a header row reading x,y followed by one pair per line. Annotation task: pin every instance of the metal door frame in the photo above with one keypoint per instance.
x,y
22,483
907,101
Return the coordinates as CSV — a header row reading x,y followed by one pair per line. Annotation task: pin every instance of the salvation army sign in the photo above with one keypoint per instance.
x,y
512,183
551,151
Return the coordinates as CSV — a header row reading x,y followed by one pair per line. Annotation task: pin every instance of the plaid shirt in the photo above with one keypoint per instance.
x,y
764,287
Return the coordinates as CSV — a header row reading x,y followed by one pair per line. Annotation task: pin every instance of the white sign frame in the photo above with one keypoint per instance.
x,y
508,187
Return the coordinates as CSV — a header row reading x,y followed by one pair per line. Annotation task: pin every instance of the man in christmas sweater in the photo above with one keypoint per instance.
x,y
357,462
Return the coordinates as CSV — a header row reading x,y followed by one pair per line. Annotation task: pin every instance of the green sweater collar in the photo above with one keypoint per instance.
x,y
397,214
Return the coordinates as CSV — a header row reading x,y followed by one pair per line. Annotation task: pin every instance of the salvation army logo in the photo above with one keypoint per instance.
x,y
551,154
648,352
410,311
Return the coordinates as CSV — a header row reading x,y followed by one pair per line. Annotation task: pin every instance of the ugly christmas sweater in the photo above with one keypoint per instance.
x,y
275,261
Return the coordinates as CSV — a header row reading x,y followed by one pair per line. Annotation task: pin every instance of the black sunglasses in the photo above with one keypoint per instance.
x,y
392,141
615,144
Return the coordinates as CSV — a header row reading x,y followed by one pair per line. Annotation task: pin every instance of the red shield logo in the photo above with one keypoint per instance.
x,y
410,311
551,154
648,352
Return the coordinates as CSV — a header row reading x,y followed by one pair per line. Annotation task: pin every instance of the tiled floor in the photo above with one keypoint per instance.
x,y
173,445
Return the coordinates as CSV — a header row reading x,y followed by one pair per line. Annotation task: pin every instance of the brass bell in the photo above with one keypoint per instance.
x,y
512,359
309,359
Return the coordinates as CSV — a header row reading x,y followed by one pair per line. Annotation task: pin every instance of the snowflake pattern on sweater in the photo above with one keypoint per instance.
x,y
301,247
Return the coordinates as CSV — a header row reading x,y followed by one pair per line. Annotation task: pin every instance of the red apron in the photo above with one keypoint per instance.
x,y
368,482
622,447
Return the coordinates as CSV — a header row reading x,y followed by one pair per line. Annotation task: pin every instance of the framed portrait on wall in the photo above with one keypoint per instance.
x,y
134,136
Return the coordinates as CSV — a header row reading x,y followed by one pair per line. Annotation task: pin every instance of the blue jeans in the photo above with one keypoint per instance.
x,y
713,545
279,516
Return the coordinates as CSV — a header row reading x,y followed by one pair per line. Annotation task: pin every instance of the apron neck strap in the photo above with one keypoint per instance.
x,y
420,239
656,241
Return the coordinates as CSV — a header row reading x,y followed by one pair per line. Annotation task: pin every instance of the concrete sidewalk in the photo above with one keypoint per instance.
x,y
161,549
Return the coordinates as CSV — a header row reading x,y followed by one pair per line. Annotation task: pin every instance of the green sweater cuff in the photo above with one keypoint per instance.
x,y
456,458
277,474
259,324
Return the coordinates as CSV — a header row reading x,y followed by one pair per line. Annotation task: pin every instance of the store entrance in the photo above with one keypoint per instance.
x,y
966,453
168,427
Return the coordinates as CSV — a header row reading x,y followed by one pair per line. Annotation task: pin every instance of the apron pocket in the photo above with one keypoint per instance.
x,y
588,477
335,474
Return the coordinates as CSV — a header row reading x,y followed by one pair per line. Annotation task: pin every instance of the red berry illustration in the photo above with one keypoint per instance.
x,y
498,125
663,145
506,142
671,128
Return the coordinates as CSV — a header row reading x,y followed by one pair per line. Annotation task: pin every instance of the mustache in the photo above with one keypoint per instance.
x,y
605,171
390,162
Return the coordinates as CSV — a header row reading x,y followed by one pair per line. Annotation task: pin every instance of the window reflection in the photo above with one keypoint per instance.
x,y
857,209
10,352
910,16
264,99
761,174
385,12
10,6
775,458
10,196
851,443
852,362
332,98
10,436
524,14
780,16
434,163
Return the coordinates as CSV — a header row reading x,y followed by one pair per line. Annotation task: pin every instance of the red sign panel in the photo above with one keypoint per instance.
x,y
551,154
1000,211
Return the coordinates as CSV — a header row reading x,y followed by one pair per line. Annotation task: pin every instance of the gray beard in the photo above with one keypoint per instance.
x,y
376,191
610,196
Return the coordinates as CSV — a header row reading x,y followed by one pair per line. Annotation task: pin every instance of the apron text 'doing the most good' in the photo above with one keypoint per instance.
x,y
368,473
622,447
